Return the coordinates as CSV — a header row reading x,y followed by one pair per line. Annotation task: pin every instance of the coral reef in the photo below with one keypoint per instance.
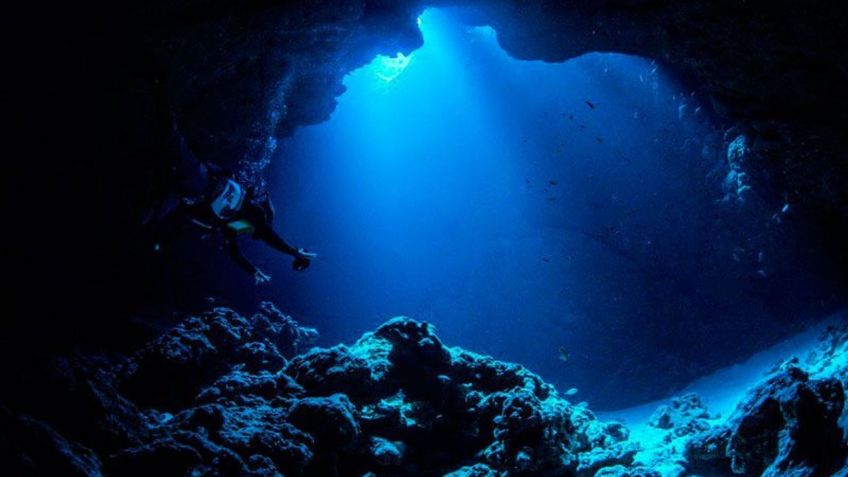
x,y
223,394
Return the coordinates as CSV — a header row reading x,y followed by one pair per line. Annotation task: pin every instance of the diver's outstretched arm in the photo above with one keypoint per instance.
x,y
242,261
302,258
272,238
238,257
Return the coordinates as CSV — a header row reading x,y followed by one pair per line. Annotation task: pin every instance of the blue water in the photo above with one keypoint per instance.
x,y
519,206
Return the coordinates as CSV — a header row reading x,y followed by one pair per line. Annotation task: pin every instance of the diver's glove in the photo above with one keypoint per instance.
x,y
302,253
261,277
303,259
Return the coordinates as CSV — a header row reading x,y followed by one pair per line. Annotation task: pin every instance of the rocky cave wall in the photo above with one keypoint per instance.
x,y
87,84
81,87
224,394
85,79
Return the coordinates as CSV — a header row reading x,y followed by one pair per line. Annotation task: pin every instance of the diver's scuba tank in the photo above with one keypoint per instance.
x,y
229,200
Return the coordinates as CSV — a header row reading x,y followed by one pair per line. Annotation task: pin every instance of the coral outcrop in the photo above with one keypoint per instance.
x,y
221,394
793,423
397,402
224,394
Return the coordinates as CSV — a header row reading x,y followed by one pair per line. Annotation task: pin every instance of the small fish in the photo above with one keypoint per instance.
x,y
571,392
552,182
760,257
599,139
762,273
563,354
156,248
785,209
552,199
590,104
546,259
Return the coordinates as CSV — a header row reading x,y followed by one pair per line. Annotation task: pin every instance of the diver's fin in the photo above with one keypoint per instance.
x,y
162,210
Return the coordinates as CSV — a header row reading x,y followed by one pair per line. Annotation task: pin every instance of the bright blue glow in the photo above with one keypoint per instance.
x,y
448,183
388,68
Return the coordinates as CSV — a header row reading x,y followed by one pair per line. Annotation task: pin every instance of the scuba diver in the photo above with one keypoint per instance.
x,y
234,209
216,200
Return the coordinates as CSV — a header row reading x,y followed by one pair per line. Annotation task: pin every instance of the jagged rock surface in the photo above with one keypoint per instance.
x,y
397,402
224,394
792,423
203,348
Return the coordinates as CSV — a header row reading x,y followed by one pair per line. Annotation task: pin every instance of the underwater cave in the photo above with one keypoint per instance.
x,y
512,202
527,238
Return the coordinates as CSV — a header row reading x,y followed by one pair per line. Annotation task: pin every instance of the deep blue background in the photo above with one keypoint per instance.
x,y
485,195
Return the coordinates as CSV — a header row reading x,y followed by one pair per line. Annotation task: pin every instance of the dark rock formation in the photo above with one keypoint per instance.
x,y
396,402
792,423
31,447
686,415
203,348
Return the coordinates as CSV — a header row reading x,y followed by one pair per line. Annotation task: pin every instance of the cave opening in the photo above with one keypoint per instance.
x,y
639,204
549,214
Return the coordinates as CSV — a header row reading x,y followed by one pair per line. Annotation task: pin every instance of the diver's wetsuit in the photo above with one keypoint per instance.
x,y
253,215
211,197
203,191
257,216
